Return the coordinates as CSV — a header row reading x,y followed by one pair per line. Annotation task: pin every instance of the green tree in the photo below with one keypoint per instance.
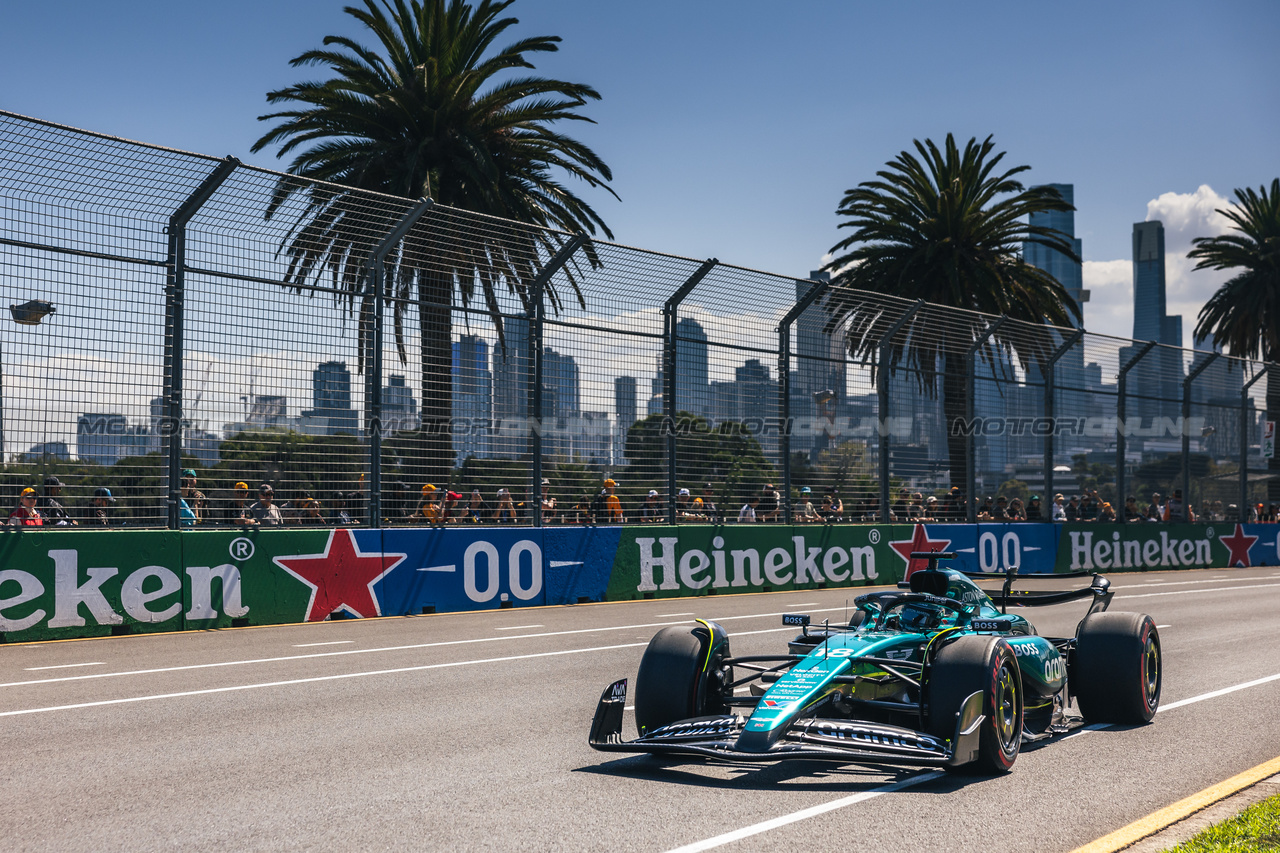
x,y
947,227
1243,316
433,110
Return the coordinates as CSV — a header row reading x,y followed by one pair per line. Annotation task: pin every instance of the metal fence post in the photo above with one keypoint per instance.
x,y
882,398
536,290
1244,442
669,344
174,347
970,452
784,386
1122,381
1048,374
373,367
1195,371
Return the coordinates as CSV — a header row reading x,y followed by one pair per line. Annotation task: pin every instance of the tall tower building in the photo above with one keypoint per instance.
x,y
1069,374
1161,377
820,368
692,385
331,399
626,413
472,397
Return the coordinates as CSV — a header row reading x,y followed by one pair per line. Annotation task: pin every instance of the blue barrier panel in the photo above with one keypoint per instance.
x,y
462,569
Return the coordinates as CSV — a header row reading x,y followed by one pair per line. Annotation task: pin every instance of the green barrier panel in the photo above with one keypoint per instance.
x,y
234,579
68,583
1141,547
669,562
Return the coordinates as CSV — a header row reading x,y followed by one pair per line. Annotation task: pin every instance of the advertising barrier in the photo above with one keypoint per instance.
x,y
61,584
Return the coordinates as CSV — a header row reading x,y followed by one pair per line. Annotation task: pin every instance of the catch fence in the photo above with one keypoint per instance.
x,y
174,312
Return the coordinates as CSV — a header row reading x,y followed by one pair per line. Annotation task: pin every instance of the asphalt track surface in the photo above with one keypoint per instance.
x,y
468,732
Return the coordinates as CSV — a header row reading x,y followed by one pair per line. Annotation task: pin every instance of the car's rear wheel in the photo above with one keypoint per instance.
x,y
1117,670
987,665
670,685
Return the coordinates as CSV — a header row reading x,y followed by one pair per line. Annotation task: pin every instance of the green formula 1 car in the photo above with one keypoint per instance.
x,y
934,674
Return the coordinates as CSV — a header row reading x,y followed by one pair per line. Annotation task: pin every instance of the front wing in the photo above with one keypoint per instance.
x,y
814,739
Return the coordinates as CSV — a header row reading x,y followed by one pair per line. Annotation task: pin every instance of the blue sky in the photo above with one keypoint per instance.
x,y
733,128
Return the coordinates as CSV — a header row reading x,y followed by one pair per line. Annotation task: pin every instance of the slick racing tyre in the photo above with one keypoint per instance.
x,y
1117,670
670,685
983,664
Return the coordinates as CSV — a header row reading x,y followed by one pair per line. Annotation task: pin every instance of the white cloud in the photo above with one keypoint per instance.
x,y
1109,310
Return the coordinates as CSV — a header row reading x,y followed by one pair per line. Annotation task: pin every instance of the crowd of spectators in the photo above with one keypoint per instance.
x,y
443,506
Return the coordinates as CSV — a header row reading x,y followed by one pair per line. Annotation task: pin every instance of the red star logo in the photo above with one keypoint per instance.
x,y
341,578
1239,544
919,541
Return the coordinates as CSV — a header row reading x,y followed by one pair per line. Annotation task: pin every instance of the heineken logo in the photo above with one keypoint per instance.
x,y
665,566
1136,551
150,594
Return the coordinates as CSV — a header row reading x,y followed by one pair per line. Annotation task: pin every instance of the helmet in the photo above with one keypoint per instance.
x,y
920,617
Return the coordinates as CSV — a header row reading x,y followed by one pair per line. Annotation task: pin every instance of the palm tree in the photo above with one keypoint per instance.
x,y
948,228
1243,316
434,111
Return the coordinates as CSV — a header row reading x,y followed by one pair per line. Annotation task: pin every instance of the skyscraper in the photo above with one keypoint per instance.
x,y
331,399
820,367
626,413
1069,374
1160,375
472,397
692,386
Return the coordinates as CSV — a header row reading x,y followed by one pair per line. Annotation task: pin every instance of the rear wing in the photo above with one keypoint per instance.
x,y
1099,590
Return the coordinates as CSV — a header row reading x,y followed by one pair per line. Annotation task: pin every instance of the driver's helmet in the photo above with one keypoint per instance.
x,y
920,617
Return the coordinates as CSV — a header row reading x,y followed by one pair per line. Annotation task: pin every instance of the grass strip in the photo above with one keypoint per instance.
x,y
1254,830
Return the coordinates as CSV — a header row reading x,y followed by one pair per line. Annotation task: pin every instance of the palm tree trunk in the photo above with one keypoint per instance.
x,y
430,454
1273,464
954,391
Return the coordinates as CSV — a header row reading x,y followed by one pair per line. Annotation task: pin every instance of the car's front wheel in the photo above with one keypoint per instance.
x,y
974,664
677,680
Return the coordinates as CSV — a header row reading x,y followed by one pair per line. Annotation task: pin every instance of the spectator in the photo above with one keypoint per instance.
x,y
1106,513
1016,510
1217,513
1001,511
264,511
747,515
987,509
606,508
186,515
709,508
899,507
684,505
1131,511
428,508
450,512
342,515
1073,509
651,512
827,510
307,511
837,506
25,513
1090,506
915,509
806,513
1058,512
506,510
770,504
931,507
51,509
476,506
102,501
238,512
1155,510
196,501
1034,513
1151,513
546,502
1176,510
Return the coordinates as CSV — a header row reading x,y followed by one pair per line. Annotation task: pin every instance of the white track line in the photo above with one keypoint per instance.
x,y
411,647
814,811
63,666
1127,597
330,643
517,627
805,814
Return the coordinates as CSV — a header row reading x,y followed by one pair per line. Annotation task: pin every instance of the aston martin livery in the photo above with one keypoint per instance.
x,y
935,673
